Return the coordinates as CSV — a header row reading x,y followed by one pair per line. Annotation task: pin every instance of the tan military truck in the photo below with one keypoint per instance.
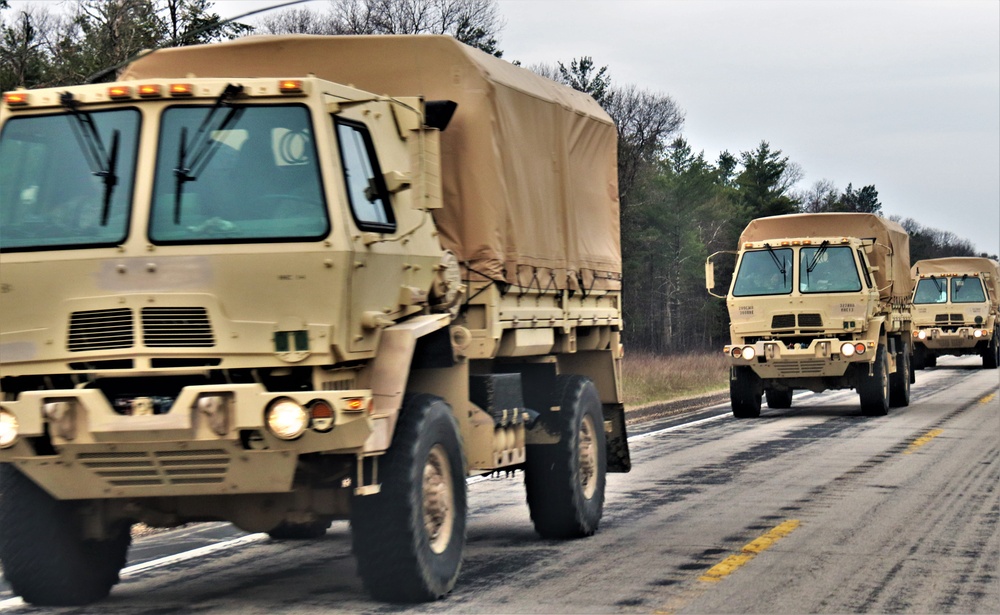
x,y
819,302
269,282
956,302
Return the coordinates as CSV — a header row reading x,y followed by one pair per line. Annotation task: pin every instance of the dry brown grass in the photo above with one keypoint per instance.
x,y
647,377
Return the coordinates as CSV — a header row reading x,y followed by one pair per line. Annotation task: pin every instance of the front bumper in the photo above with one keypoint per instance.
x,y
935,338
773,359
73,444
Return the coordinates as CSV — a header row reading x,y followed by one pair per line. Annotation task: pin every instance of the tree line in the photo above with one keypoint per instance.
x,y
677,207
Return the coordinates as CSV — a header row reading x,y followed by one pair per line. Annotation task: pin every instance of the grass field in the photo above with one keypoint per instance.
x,y
647,377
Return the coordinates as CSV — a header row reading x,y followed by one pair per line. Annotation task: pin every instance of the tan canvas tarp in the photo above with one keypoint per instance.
x,y
530,177
892,257
960,265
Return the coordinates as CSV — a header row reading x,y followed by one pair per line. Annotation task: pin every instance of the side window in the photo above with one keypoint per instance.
x,y
864,268
365,186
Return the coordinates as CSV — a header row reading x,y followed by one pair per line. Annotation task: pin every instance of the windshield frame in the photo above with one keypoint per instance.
x,y
165,172
745,286
122,197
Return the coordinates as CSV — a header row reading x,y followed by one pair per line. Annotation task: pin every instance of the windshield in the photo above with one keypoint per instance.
x,y
967,290
764,272
254,179
825,269
52,195
931,290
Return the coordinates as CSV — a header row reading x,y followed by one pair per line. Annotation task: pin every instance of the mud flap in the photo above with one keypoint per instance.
x,y
616,438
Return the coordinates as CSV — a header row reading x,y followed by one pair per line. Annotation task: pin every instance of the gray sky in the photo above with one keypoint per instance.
x,y
902,94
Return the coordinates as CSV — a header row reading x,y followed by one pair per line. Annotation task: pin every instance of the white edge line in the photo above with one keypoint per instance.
x,y
252,538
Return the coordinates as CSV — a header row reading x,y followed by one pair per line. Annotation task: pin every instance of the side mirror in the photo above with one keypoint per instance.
x,y
709,275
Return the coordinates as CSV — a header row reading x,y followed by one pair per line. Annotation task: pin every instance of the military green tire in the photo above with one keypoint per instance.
x,y
408,539
44,556
565,481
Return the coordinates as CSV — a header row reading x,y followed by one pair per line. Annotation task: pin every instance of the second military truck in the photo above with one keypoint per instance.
x,y
956,303
819,302
286,280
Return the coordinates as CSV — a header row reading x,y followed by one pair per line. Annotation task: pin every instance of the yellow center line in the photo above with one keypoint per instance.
x,y
988,398
922,440
750,550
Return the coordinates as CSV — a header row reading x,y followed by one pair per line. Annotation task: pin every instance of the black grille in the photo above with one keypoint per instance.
x,y
176,327
101,330
811,320
783,321
949,319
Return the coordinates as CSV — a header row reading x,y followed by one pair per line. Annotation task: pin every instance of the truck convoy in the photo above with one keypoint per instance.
x,y
286,280
818,302
956,303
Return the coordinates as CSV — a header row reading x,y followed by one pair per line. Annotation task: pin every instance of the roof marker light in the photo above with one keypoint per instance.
x,y
181,89
16,99
150,90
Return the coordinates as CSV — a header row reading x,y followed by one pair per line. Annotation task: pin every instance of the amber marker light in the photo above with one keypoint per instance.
x,y
117,92
16,99
181,89
290,86
355,404
150,90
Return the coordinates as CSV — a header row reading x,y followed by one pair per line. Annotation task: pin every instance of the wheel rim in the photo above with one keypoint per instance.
x,y
588,457
439,499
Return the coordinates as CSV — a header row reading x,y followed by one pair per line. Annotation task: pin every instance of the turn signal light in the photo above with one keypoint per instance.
x,y
290,86
322,415
859,348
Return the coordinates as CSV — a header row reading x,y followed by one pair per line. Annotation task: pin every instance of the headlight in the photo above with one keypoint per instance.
x,y
922,335
977,333
287,419
8,429
847,349
748,353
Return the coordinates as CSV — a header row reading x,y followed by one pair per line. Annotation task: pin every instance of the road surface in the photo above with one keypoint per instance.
x,y
813,509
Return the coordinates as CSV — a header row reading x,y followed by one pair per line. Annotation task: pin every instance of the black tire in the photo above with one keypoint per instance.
x,y
745,390
991,358
930,360
778,399
919,360
44,556
401,559
565,481
874,389
300,531
899,381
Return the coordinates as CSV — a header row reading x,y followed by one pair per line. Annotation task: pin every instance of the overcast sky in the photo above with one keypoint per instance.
x,y
902,94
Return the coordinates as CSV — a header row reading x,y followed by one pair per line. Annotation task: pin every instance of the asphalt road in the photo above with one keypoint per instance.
x,y
814,509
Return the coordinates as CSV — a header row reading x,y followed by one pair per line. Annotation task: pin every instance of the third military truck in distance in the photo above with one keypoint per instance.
x,y
280,281
819,302
956,301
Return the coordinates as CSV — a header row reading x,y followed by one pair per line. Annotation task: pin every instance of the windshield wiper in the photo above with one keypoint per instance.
x,y
777,263
203,145
101,163
819,253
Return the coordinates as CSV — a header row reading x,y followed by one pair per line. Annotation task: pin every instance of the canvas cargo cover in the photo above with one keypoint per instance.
x,y
529,166
892,258
963,264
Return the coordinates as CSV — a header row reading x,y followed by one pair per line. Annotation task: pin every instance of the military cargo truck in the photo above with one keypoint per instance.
x,y
819,302
286,280
956,302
